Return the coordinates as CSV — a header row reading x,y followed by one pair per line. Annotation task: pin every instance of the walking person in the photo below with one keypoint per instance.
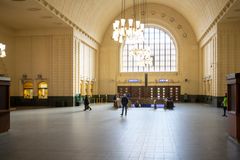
x,y
225,103
155,103
115,101
86,104
124,104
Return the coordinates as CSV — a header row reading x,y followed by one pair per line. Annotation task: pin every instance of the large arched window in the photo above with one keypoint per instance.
x,y
163,51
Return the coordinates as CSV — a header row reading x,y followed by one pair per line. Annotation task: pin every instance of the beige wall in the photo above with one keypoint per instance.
x,y
229,56
208,64
53,53
46,52
219,57
110,77
210,67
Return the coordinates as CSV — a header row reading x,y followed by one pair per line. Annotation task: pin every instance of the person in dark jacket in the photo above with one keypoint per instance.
x,y
86,104
124,104
115,101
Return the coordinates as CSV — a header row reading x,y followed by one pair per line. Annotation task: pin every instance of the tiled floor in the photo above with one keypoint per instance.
x,y
190,132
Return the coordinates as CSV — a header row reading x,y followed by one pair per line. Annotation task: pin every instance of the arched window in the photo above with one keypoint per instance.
x,y
163,52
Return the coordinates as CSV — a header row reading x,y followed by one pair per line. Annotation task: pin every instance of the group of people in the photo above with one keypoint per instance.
x,y
124,102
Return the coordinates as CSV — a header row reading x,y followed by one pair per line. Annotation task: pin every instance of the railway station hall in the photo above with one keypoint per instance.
x,y
119,79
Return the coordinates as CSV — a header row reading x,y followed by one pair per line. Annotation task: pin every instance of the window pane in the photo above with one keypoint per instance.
x,y
162,50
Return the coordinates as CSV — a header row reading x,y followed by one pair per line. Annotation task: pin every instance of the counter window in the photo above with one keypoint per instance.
x,y
28,90
42,90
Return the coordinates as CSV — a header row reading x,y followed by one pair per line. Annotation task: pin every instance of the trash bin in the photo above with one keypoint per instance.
x,y
77,100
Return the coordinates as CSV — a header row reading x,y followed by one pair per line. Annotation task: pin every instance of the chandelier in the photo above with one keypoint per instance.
x,y
129,30
143,56
2,50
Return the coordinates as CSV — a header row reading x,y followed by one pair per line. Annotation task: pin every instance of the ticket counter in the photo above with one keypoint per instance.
x,y
233,81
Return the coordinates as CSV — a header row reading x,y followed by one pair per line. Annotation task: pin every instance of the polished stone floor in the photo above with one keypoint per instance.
x,y
189,132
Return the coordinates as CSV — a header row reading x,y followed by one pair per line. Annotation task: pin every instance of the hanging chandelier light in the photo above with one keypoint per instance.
x,y
128,30
2,50
143,54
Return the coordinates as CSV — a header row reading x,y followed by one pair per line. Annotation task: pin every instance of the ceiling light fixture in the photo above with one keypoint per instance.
x,y
2,50
142,54
128,30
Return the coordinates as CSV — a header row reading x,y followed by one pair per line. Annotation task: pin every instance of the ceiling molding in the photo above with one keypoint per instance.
x,y
221,14
66,19
174,21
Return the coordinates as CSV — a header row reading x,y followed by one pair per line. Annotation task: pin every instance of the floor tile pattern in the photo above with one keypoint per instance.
x,y
189,132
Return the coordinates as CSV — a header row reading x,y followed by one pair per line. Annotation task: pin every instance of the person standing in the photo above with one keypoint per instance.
x,y
155,103
115,101
86,104
225,103
137,104
118,101
124,104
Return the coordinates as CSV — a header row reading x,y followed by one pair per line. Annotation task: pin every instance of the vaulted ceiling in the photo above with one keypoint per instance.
x,y
94,16
27,14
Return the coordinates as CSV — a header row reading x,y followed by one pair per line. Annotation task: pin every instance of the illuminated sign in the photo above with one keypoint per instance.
x,y
163,80
133,80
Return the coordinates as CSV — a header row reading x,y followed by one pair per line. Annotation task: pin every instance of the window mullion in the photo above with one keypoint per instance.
x,y
170,56
154,51
165,47
127,57
159,51
148,45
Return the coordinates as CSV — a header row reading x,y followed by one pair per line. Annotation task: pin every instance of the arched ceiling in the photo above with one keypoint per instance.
x,y
94,16
27,14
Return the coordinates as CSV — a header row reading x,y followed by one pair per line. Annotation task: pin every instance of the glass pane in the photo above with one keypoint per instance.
x,y
136,68
173,69
124,59
168,46
124,69
167,68
167,39
151,30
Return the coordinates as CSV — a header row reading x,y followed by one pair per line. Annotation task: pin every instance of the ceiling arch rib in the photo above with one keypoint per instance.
x,y
94,16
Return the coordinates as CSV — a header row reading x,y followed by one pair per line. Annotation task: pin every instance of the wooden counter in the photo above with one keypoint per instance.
x,y
233,81
4,104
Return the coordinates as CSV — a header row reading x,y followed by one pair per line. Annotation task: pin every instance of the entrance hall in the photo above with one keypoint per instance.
x,y
178,55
